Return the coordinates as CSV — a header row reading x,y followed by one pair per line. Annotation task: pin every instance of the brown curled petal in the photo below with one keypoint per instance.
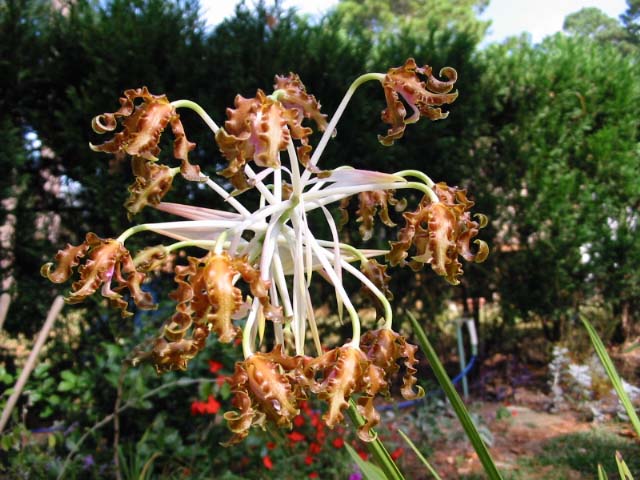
x,y
142,125
265,389
181,149
152,183
271,132
394,115
66,260
370,203
384,348
295,97
342,371
151,258
239,422
438,233
372,417
439,86
259,288
104,123
483,251
423,97
377,273
132,281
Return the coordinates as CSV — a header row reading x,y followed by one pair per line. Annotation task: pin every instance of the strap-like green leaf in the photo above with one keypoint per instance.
x,y
456,402
613,374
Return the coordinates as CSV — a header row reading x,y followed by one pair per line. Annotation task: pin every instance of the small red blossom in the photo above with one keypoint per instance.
x,y
298,421
267,462
296,437
363,454
338,442
211,407
314,448
314,475
308,459
215,367
315,420
270,445
396,454
220,381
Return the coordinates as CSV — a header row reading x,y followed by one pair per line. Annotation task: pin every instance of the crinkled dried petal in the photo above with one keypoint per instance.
x,y
384,348
337,375
271,132
151,184
439,233
142,124
66,260
170,355
369,203
295,97
423,98
181,148
151,258
142,127
265,389
106,261
377,273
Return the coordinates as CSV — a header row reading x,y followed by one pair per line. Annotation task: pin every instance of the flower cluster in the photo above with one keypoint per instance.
x,y
258,265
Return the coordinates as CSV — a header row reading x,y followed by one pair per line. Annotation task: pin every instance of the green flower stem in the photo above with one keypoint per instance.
x,y
418,174
456,402
199,110
376,447
336,117
131,231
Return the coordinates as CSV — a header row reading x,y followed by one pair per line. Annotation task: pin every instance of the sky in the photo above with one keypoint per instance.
x,y
509,17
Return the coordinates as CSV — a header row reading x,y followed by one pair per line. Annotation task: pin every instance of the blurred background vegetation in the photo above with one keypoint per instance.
x,y
544,137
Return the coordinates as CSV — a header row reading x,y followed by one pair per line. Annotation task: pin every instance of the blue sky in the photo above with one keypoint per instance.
x,y
509,17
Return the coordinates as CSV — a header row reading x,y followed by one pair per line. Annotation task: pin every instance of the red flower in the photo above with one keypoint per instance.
x,y
215,367
308,459
315,448
296,437
314,475
267,462
396,454
271,445
338,442
363,454
298,421
220,381
211,407
315,420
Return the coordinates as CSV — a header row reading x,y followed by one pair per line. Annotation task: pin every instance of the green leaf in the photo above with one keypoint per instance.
x,y
602,475
225,391
368,469
65,386
424,461
456,402
68,375
623,470
613,374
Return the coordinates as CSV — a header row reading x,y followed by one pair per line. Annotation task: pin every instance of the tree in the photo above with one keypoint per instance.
x,y
593,23
385,17
558,161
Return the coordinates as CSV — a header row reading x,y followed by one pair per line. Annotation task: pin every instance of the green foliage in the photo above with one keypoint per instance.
x,y
558,159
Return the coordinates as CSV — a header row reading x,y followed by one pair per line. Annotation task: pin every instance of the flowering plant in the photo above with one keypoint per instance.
x,y
259,265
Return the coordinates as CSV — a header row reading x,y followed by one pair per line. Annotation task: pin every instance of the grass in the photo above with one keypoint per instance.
x,y
583,452
575,456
